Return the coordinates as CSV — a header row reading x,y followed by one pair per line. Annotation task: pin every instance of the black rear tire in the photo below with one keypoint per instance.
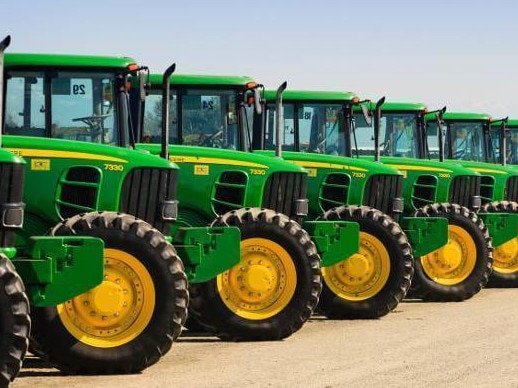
x,y
15,323
371,283
278,281
468,253
144,272
505,262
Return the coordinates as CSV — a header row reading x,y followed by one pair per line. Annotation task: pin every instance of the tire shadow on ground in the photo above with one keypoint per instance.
x,y
191,336
34,366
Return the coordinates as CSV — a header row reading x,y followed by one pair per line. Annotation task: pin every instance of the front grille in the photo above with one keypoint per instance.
x,y
381,190
487,186
334,191
229,192
78,191
11,191
511,189
144,191
282,190
424,190
463,189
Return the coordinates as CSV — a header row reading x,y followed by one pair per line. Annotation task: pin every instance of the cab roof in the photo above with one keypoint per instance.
x,y
453,116
511,123
401,106
66,60
203,80
309,95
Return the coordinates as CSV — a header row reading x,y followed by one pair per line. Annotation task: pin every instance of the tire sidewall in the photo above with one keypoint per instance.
x,y
14,323
290,243
130,354
476,279
399,278
499,279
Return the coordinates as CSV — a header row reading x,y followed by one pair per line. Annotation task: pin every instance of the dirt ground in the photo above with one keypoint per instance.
x,y
468,344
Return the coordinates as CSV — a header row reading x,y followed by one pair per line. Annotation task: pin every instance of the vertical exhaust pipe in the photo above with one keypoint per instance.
x,y
279,125
165,110
3,45
503,141
440,132
377,119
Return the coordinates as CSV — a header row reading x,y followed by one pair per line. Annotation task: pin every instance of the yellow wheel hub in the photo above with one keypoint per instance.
x,y
362,275
116,311
262,284
506,257
455,261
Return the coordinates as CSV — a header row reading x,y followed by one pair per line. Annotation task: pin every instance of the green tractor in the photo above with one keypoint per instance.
x,y
364,285
504,136
14,303
277,284
401,125
264,288
467,141
108,292
441,272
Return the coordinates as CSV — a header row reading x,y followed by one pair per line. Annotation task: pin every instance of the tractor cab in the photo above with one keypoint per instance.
x,y
61,97
398,134
315,124
504,135
460,143
206,111
466,137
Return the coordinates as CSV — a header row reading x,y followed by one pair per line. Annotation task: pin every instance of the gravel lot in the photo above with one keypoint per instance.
x,y
467,344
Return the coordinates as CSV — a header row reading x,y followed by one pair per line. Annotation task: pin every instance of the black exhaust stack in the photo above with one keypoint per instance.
x,y
377,119
3,45
280,118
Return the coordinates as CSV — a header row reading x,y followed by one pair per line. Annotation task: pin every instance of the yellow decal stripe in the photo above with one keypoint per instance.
x,y
35,153
306,164
418,168
204,160
488,170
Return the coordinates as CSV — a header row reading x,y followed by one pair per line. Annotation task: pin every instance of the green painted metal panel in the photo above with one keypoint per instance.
x,y
335,240
56,269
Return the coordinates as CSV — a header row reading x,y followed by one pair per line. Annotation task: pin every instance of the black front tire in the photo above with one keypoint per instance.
x,y
269,311
475,266
375,280
505,264
16,324
142,327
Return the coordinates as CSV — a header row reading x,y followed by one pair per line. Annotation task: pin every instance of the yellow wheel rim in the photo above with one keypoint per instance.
x,y
505,257
262,284
116,311
455,261
362,275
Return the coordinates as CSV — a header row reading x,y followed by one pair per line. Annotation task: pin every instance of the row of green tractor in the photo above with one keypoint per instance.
x,y
101,262
131,201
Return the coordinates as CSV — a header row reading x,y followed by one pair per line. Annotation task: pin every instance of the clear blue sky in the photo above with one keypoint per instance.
x,y
459,53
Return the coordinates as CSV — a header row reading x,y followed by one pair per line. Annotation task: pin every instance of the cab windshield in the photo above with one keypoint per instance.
x,y
512,146
511,154
64,104
465,141
398,135
317,128
200,117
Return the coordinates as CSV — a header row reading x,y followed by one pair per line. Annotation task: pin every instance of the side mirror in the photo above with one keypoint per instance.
x,y
257,102
142,86
366,114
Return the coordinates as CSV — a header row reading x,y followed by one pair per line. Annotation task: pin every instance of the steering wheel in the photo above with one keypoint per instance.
x,y
93,122
211,139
